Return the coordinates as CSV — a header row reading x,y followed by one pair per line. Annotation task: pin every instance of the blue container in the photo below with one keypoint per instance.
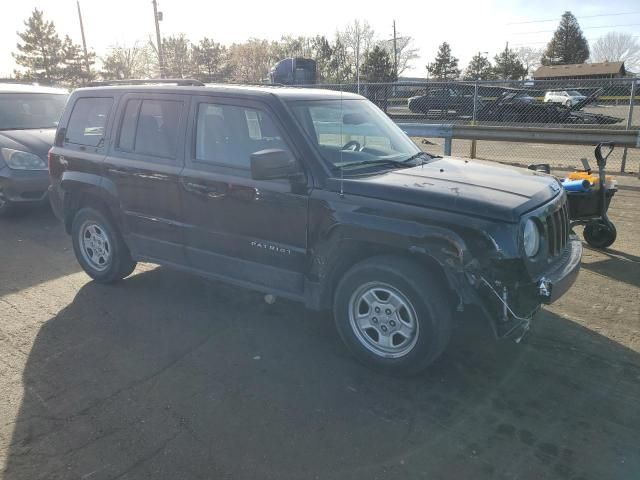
x,y
576,185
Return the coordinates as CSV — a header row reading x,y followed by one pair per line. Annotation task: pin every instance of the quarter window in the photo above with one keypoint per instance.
x,y
228,134
88,119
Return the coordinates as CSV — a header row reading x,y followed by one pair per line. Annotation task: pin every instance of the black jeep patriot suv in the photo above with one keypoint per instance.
x,y
311,195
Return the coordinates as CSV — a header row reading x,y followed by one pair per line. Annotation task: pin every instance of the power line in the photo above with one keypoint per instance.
x,y
583,28
579,18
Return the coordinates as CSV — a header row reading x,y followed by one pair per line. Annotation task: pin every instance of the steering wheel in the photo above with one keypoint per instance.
x,y
352,145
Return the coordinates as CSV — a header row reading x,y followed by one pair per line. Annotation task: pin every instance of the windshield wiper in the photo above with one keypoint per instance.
x,y
416,155
381,161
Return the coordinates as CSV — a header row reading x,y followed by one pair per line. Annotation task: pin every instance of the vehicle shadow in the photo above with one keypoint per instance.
x,y
617,265
167,376
34,248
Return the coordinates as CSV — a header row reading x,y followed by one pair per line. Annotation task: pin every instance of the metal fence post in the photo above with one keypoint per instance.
x,y
632,97
472,153
447,146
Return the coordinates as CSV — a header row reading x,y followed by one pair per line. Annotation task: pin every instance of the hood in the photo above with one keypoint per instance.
x,y
36,141
470,187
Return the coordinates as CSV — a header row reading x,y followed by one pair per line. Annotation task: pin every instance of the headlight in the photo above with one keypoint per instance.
x,y
19,160
531,238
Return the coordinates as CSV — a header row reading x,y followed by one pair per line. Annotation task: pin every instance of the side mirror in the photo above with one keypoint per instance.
x,y
272,164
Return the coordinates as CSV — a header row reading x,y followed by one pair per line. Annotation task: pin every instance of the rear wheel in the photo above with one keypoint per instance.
x,y
599,234
99,247
392,314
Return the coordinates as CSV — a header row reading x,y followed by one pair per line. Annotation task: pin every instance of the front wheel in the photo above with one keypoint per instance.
x,y
99,247
392,314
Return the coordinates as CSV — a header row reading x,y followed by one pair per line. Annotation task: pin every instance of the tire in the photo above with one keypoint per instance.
x,y
99,247
418,320
599,234
568,104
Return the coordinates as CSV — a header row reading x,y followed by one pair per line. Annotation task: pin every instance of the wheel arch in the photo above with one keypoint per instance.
x,y
88,190
439,255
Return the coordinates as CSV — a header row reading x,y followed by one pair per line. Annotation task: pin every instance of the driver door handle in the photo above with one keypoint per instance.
x,y
202,189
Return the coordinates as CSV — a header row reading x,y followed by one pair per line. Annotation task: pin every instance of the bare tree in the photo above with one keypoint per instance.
x,y
251,61
358,39
129,62
617,47
529,57
405,51
290,46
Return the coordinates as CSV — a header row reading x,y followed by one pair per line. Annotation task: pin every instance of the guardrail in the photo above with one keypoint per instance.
x,y
562,136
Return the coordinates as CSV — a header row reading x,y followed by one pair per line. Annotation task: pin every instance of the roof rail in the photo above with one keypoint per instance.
x,y
182,82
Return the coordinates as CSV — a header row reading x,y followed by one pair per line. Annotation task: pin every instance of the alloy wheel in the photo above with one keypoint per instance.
x,y
95,246
383,320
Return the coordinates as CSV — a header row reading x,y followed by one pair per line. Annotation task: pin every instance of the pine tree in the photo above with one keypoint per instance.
x,y
378,66
177,56
209,59
445,65
41,49
479,68
378,69
340,66
322,53
568,44
74,70
508,66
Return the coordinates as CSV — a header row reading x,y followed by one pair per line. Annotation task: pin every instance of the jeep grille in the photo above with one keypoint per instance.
x,y
557,226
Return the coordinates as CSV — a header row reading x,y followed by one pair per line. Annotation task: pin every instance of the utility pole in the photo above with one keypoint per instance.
x,y
157,17
358,56
84,43
395,52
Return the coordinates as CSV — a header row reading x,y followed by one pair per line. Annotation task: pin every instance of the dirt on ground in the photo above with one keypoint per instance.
x,y
169,376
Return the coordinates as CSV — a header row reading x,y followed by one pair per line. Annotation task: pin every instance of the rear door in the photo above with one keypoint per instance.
x,y
144,163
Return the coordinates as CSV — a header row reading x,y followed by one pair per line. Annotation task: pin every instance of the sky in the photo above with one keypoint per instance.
x,y
469,26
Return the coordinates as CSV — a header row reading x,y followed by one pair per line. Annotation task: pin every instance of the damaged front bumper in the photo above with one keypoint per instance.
x,y
555,282
511,307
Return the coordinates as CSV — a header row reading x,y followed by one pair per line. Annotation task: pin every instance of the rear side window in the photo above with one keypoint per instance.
x,y
228,135
150,127
88,120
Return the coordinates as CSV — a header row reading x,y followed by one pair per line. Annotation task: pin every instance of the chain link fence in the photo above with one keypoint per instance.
x,y
581,103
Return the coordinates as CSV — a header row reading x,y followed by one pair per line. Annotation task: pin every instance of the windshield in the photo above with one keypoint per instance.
x,y
354,132
573,93
30,110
